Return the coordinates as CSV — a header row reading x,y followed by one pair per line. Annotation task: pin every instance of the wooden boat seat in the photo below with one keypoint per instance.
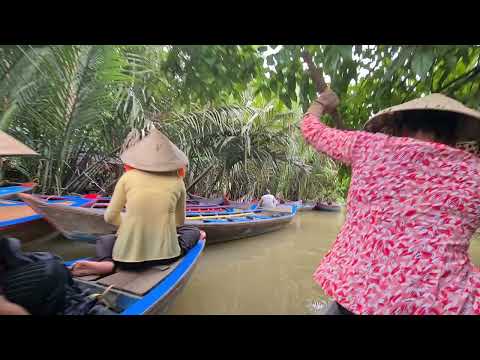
x,y
134,282
138,282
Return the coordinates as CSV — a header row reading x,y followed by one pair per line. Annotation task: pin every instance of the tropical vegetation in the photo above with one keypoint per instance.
x,y
234,110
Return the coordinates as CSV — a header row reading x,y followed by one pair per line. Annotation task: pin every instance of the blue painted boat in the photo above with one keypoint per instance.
x,y
11,192
87,223
155,300
238,227
17,219
320,206
227,211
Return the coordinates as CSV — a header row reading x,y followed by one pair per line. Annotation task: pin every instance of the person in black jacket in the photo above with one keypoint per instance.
x,y
38,283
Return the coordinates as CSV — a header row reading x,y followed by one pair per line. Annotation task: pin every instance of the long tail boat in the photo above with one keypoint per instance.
x,y
87,223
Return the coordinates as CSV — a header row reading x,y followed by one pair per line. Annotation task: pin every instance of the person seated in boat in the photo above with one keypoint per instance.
x,y
38,283
153,192
8,307
226,199
413,206
280,198
268,201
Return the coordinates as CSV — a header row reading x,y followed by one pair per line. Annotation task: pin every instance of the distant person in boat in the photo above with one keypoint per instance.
x,y
226,199
152,230
413,206
268,201
280,198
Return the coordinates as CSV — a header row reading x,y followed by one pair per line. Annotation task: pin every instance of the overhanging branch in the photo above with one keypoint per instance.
x,y
317,76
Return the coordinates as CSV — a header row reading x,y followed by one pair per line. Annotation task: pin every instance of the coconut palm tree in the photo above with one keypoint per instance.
x,y
76,104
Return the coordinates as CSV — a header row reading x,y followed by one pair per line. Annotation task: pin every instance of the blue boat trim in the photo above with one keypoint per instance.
x,y
213,214
163,288
250,218
77,201
12,203
19,220
158,292
14,189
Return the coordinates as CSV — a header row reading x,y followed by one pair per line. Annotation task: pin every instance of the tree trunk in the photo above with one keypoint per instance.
x,y
317,76
200,177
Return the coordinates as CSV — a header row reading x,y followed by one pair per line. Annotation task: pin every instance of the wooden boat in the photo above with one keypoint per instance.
x,y
301,206
147,292
98,200
216,208
102,202
198,200
306,207
201,201
196,207
19,220
326,207
242,226
10,191
82,223
219,212
86,223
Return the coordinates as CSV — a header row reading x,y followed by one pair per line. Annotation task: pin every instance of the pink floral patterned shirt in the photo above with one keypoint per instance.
x,y
412,209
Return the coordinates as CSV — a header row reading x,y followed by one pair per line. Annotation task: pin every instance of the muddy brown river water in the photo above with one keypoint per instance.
x,y
267,274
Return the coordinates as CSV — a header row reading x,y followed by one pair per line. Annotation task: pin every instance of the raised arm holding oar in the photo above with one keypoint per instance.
x,y
412,208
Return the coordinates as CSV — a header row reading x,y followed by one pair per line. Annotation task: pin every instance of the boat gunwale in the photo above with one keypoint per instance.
x,y
92,211
283,216
12,194
156,295
76,202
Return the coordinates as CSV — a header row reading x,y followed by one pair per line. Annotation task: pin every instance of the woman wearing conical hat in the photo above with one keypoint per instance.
x,y
153,192
412,207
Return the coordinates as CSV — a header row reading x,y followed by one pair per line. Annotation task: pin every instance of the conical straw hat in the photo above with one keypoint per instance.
x,y
154,152
469,128
12,147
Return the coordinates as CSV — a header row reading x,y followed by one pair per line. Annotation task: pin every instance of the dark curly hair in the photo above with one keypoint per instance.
x,y
443,124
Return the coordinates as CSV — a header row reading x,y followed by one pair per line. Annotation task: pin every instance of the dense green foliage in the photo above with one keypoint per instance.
x,y
232,109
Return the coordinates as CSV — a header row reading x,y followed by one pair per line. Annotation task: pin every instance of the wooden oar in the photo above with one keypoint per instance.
x,y
218,216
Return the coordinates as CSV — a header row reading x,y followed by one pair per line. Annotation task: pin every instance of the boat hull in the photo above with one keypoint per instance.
x,y
11,192
85,224
39,230
330,208
217,233
157,300
75,223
